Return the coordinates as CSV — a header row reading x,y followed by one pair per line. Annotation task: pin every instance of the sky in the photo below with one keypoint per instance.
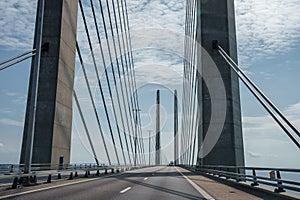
x,y
268,36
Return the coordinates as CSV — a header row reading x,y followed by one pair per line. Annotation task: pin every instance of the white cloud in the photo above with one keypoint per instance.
x,y
17,19
266,28
157,13
266,122
1,144
259,155
11,122
293,111
266,144
11,94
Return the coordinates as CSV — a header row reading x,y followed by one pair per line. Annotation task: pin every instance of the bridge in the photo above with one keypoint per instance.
x,y
83,78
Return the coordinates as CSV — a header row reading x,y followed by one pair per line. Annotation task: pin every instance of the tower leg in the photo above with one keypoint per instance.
x,y
53,122
157,138
218,23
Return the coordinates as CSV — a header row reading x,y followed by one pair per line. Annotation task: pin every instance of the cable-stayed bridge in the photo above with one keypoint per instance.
x,y
83,61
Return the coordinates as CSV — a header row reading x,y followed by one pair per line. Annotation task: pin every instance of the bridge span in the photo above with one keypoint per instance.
x,y
91,40
158,182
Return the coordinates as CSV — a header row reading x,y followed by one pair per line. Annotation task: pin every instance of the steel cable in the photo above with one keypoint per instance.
x,y
106,75
93,103
101,90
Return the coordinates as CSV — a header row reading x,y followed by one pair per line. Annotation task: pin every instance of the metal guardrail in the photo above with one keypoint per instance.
x,y
14,173
18,168
255,175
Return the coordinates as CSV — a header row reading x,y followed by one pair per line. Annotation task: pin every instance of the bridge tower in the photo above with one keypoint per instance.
x,y
157,133
53,119
175,128
217,22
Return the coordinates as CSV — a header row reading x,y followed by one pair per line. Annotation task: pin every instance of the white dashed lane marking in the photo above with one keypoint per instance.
x,y
125,190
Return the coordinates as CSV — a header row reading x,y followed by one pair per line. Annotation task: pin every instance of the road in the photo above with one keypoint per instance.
x,y
148,183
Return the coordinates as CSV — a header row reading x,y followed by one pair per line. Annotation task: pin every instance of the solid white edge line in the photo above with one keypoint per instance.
x,y
197,187
125,190
145,178
53,187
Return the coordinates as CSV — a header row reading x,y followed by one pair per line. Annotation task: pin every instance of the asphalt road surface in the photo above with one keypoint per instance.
x,y
148,183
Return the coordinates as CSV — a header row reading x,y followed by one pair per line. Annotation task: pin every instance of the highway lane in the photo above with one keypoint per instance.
x,y
148,183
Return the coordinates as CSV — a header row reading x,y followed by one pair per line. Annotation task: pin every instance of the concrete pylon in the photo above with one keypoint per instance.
x,y
175,128
217,22
157,135
53,122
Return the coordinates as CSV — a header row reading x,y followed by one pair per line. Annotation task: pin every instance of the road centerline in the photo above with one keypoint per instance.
x,y
125,190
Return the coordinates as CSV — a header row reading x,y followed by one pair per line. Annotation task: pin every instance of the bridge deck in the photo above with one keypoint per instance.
x,y
148,183
224,190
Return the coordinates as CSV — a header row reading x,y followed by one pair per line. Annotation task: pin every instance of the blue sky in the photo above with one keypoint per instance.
x,y
268,33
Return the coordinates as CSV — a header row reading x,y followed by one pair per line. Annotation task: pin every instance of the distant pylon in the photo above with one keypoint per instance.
x,y
157,138
175,128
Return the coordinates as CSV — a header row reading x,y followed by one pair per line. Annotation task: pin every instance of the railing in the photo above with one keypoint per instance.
x,y
18,168
44,173
255,175
9,169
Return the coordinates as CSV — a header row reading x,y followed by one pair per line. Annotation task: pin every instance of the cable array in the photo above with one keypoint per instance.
x,y
190,107
16,59
289,129
109,20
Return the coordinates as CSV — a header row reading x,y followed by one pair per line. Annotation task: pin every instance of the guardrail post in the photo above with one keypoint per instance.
x,y
255,183
238,179
220,172
59,176
227,170
98,173
71,176
34,179
279,183
86,174
76,174
11,168
105,171
15,183
49,178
